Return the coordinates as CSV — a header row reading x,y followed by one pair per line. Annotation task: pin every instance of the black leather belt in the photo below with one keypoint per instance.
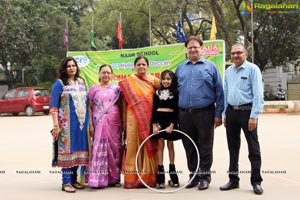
x,y
197,109
247,106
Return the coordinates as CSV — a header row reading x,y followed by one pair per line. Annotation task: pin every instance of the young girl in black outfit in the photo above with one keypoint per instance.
x,y
164,116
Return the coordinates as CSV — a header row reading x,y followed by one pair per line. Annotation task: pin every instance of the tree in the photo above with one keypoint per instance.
x,y
31,31
275,34
223,21
276,38
164,19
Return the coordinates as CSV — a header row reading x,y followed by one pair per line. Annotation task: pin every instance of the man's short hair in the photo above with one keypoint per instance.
x,y
193,38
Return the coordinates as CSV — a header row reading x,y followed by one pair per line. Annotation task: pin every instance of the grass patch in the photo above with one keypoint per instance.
x,y
275,106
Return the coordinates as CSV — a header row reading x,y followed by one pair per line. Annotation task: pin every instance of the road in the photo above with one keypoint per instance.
x,y
26,172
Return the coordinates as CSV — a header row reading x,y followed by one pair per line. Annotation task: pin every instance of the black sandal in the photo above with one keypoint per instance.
x,y
78,185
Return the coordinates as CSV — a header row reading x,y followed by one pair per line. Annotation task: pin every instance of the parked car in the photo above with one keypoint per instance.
x,y
25,99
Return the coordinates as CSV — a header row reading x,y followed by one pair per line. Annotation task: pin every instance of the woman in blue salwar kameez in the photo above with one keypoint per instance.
x,y
69,110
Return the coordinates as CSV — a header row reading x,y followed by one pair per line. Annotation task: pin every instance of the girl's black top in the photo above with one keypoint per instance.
x,y
164,99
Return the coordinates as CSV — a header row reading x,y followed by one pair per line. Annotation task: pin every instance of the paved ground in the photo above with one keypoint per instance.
x,y
25,171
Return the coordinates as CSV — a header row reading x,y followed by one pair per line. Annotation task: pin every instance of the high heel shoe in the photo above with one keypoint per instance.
x,y
173,175
160,177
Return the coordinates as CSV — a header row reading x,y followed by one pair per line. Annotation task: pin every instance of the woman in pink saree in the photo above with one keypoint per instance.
x,y
105,129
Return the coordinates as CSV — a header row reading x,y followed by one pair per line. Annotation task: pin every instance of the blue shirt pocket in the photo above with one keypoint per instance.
x,y
244,82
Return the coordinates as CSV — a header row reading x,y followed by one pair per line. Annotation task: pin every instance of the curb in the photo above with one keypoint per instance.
x,y
292,107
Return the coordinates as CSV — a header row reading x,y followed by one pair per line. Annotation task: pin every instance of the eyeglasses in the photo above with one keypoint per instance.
x,y
237,53
190,48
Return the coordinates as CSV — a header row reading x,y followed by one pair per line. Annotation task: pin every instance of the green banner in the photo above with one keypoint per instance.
x,y
160,58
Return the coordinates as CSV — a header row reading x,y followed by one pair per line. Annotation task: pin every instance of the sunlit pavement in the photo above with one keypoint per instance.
x,y
26,173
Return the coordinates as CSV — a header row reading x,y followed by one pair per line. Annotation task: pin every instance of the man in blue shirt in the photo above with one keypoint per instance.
x,y
243,91
201,102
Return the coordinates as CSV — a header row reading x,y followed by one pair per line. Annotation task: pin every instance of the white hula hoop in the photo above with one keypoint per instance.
x,y
160,190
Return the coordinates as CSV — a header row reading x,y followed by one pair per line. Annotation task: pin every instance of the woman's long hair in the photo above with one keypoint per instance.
x,y
62,71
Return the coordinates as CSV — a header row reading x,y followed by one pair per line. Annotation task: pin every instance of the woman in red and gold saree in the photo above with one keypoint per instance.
x,y
138,91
